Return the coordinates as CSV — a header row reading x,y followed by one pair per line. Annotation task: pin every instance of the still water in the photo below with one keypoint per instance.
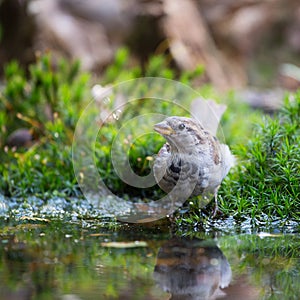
x,y
48,259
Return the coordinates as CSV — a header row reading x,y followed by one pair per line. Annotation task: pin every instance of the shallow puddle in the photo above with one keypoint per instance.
x,y
57,260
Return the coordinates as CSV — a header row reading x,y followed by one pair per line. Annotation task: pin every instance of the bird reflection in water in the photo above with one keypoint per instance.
x,y
192,269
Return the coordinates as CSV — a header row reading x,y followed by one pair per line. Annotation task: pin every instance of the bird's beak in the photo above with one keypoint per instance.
x,y
163,128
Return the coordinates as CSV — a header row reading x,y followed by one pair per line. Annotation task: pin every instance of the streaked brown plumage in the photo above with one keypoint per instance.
x,y
193,155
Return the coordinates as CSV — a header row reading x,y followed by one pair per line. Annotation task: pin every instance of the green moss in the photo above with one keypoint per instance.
x,y
47,103
266,180
49,100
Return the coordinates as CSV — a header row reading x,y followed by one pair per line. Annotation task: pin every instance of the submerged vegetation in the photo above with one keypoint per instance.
x,y
48,101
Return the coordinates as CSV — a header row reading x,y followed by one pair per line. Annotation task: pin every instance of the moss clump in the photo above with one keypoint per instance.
x,y
47,103
266,181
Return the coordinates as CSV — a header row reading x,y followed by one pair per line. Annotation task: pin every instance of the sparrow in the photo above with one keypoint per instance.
x,y
193,160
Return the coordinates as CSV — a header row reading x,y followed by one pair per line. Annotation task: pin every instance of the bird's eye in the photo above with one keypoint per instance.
x,y
181,126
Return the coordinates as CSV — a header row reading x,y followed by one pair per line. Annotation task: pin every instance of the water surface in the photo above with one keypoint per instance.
x,y
55,259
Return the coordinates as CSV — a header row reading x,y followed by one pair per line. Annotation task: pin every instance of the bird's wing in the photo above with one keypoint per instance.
x,y
208,113
161,162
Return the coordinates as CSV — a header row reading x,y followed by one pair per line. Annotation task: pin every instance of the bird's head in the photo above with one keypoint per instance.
x,y
183,134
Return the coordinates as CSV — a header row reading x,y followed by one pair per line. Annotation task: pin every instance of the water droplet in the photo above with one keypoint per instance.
x,y
106,100
117,114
